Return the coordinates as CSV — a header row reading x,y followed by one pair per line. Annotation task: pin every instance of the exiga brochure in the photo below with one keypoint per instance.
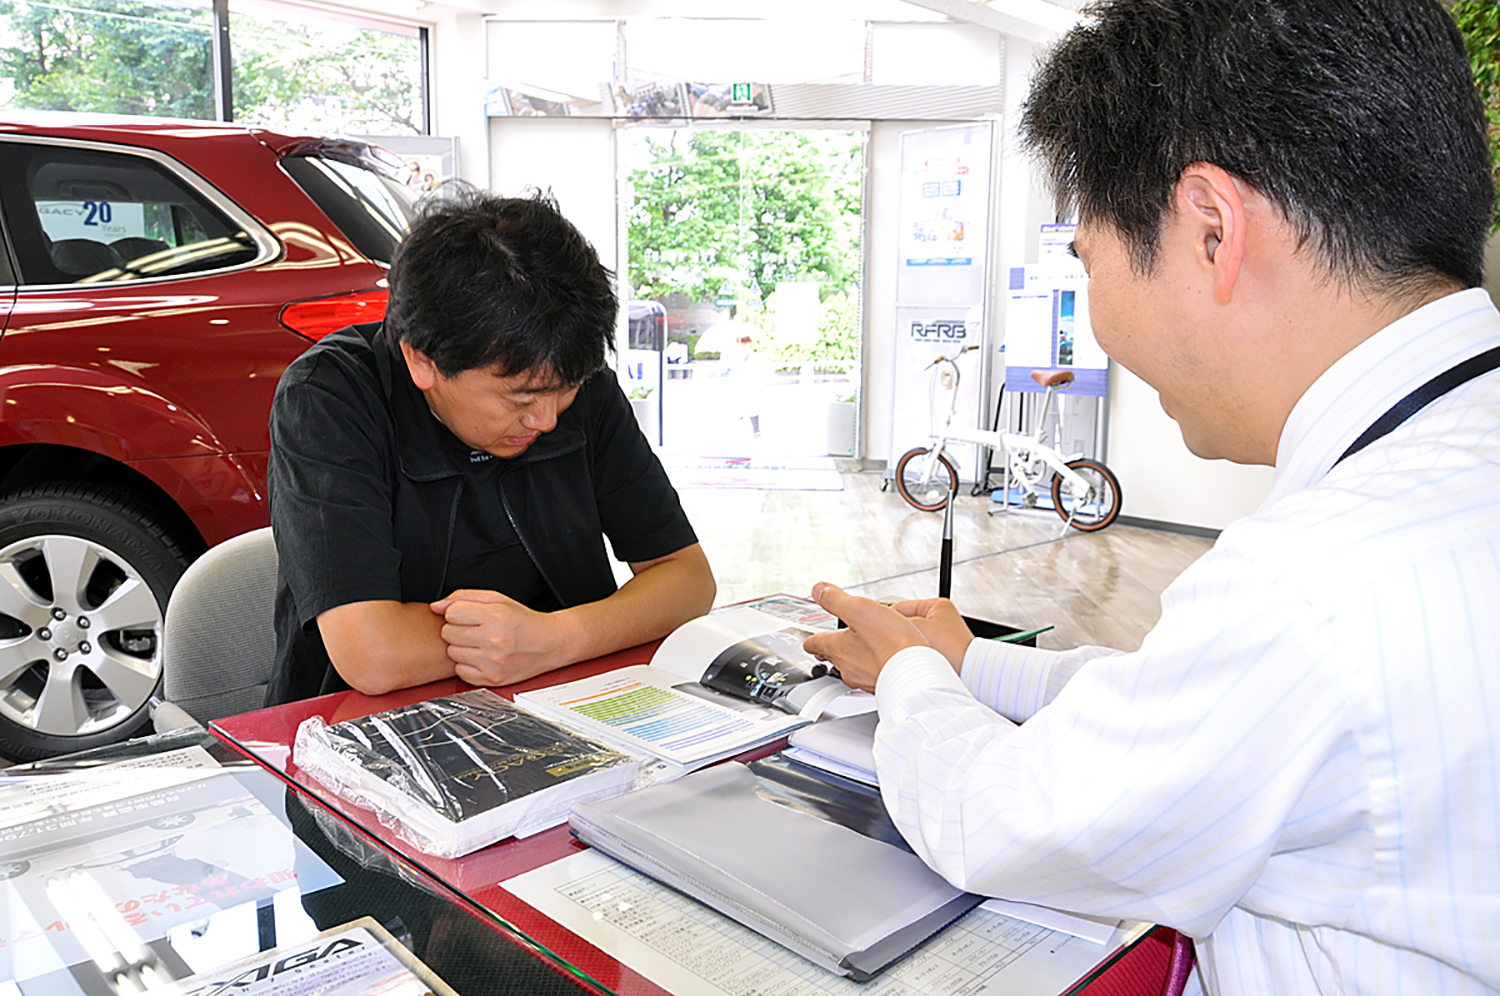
x,y
717,686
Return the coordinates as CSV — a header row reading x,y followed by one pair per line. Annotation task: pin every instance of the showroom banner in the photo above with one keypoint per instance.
x,y
942,282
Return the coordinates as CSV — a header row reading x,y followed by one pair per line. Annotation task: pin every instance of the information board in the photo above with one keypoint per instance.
x,y
942,279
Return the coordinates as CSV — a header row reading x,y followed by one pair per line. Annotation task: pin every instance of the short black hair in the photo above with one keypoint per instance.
x,y
482,282
1358,119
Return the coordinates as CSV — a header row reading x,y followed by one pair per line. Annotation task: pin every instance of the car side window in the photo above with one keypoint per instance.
x,y
82,215
370,209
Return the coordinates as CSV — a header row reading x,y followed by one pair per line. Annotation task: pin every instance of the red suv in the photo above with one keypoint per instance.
x,y
155,280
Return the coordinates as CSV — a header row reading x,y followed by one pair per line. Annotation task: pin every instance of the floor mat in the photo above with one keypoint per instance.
x,y
766,473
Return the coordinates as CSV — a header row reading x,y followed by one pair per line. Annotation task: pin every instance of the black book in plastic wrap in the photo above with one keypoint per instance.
x,y
454,774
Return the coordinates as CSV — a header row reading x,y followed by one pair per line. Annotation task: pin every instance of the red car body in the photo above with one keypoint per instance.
x,y
161,386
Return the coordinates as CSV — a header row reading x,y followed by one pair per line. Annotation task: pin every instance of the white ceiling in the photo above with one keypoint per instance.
x,y
1037,20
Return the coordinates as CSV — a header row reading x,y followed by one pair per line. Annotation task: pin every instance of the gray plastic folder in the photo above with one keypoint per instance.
x,y
787,853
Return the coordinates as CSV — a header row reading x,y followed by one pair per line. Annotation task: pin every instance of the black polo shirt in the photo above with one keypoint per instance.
x,y
372,498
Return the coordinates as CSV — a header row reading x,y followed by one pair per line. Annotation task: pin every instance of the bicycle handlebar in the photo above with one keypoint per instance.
x,y
949,359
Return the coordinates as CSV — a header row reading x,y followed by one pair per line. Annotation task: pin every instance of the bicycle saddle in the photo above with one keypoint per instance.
x,y
1052,378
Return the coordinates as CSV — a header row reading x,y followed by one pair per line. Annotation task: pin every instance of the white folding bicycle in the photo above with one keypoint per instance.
x,y
1084,492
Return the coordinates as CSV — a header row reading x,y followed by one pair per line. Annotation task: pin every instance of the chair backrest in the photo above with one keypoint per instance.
x,y
218,642
82,257
133,247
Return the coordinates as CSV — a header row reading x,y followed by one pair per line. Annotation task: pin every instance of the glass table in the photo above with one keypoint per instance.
x,y
175,857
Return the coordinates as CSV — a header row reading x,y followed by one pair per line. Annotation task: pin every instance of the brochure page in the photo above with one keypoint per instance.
x,y
649,710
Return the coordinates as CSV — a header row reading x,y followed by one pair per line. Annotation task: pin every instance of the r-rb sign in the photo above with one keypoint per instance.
x,y
942,331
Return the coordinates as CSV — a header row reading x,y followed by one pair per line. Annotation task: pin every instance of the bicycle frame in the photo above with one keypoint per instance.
x,y
1022,452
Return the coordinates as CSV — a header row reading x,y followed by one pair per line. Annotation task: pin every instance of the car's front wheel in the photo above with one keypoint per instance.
x,y
85,572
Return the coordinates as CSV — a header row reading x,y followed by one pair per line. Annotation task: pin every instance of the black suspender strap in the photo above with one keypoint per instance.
x,y
1424,396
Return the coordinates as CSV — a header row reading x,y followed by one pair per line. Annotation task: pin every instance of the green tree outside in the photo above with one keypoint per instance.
x,y
1479,23
106,57
124,57
324,77
722,215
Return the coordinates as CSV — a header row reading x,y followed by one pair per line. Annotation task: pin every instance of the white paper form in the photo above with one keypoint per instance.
x,y
683,946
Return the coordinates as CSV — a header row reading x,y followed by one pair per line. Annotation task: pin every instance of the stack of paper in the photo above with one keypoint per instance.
x,y
843,746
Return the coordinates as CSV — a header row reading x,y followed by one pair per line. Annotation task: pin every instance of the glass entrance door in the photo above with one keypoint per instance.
x,y
745,252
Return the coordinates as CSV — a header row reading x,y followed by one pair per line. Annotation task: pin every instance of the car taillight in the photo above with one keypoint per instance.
x,y
323,315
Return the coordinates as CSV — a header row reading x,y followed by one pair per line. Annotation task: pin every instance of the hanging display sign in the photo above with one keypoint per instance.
x,y
1047,320
941,283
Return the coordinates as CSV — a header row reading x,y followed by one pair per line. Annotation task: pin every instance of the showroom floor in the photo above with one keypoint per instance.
x,y
1014,568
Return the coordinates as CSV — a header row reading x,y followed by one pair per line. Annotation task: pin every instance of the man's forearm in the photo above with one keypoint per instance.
x,y
488,639
380,646
662,595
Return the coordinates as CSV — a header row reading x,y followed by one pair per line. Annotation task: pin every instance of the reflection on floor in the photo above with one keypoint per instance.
x,y
1097,588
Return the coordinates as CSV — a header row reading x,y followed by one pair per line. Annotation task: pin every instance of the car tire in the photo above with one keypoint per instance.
x,y
78,665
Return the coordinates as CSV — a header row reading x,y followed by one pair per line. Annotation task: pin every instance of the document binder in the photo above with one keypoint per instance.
x,y
811,861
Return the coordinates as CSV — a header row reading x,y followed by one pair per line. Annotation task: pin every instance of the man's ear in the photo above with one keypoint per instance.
x,y
424,372
1209,201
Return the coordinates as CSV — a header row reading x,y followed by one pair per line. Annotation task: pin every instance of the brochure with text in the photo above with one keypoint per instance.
x,y
650,711
718,685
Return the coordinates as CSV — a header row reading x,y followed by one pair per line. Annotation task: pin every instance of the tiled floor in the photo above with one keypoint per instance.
x,y
1014,568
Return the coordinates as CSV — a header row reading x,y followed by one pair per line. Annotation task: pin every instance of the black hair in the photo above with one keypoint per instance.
x,y
481,281
1358,119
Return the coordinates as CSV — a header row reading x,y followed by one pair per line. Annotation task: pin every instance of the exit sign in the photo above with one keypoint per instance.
x,y
741,94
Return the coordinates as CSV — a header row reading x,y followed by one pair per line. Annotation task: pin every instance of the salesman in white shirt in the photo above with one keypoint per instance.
x,y
1283,207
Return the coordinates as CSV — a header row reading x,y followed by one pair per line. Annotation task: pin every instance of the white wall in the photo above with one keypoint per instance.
x,y
572,157
457,58
1160,478
1020,208
882,216
1492,267
934,55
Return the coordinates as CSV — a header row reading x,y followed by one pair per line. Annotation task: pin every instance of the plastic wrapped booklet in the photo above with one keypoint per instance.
x,y
457,773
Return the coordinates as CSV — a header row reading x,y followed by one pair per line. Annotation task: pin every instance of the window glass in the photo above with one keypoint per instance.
x,y
82,216
304,71
746,261
108,56
371,210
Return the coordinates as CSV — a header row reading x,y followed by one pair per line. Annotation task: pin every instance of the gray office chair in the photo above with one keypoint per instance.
x,y
218,643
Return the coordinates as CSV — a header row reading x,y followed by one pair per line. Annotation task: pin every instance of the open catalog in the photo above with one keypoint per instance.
x,y
717,686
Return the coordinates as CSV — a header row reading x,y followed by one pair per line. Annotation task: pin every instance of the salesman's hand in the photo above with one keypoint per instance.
x,y
495,640
942,626
876,632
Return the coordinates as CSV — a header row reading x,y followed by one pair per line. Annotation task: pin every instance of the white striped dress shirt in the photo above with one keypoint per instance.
x,y
1300,766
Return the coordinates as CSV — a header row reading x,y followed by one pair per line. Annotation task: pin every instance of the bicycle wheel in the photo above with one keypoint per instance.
x,y
1096,509
933,495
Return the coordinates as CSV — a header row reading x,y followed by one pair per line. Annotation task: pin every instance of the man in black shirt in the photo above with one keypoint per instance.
x,y
441,484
